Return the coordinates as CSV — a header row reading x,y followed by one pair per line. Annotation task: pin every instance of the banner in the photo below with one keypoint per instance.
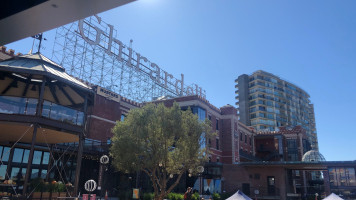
x,y
136,193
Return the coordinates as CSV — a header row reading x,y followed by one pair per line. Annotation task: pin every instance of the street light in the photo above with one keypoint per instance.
x,y
104,161
200,170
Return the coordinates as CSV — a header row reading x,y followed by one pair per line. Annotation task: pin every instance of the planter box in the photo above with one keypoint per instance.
x,y
45,195
54,195
62,194
36,195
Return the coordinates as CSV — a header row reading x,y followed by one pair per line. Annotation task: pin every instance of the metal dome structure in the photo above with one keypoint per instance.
x,y
313,156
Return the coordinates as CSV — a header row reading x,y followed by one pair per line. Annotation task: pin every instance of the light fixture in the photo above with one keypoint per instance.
x,y
36,80
18,75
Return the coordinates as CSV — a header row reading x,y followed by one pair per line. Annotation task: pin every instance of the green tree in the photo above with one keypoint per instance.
x,y
163,142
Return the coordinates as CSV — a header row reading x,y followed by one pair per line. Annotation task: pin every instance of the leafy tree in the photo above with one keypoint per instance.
x,y
162,142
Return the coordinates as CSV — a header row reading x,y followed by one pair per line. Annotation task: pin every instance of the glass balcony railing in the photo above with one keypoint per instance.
x,y
27,106
18,105
62,113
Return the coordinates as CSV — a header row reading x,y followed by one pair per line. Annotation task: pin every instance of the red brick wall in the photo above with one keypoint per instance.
x,y
106,109
236,175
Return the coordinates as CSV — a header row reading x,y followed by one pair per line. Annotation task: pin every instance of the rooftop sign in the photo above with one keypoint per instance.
x,y
95,32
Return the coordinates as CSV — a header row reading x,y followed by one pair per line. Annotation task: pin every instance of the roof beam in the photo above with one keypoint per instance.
x,y
9,86
66,94
53,92
27,86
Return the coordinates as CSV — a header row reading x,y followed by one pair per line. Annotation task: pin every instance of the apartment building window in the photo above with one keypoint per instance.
x,y
217,124
270,116
253,109
217,159
261,108
252,103
245,139
217,144
250,141
240,136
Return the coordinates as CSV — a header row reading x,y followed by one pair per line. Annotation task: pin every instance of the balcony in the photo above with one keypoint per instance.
x,y
27,106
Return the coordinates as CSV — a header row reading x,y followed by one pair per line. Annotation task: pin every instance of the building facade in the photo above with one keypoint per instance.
x,y
266,102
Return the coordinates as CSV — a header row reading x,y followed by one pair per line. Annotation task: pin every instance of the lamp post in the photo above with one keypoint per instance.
x,y
200,170
223,184
90,186
104,160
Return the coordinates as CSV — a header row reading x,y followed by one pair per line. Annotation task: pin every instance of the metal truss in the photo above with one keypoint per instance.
x,y
92,64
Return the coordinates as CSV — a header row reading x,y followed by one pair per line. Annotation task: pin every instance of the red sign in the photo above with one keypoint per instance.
x,y
93,197
85,196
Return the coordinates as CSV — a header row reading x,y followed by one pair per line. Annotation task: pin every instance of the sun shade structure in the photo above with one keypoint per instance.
x,y
41,105
239,196
59,110
333,196
313,156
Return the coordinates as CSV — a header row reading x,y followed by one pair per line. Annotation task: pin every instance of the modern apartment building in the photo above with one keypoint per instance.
x,y
266,102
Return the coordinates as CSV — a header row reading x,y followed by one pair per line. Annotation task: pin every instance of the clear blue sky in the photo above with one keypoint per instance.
x,y
309,43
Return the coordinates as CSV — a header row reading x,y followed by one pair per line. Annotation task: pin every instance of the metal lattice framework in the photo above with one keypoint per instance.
x,y
97,62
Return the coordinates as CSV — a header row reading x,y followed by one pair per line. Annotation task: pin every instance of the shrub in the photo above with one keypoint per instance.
x,y
216,196
196,196
175,196
148,196
37,184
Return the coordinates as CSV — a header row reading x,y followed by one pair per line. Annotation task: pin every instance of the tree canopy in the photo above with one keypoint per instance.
x,y
164,142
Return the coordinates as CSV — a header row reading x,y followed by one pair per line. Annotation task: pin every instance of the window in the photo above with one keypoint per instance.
x,y
257,176
270,116
2,171
122,117
37,158
45,159
252,103
34,173
43,173
253,109
240,136
217,159
261,108
246,139
25,156
217,144
209,117
217,124
15,173
5,154
17,155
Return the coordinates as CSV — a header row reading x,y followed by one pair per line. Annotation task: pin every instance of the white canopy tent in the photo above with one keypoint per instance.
x,y
239,196
333,196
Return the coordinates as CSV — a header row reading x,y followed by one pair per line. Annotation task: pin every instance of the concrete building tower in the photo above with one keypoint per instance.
x,y
266,102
